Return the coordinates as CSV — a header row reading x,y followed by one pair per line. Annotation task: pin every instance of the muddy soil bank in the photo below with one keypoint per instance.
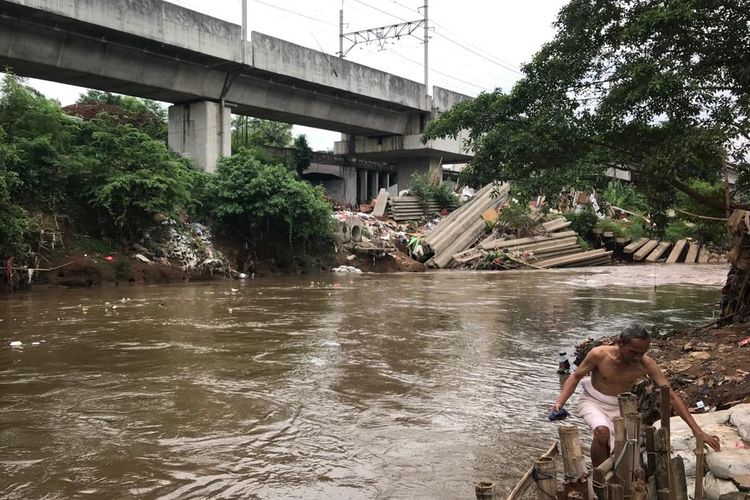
x,y
708,365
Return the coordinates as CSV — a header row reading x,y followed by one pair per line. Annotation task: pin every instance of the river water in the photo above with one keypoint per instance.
x,y
355,386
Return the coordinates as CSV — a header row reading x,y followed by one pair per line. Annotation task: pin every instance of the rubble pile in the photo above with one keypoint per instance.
x,y
191,245
456,240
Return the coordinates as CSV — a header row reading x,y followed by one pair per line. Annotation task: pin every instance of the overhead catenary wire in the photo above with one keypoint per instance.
x,y
268,4
491,59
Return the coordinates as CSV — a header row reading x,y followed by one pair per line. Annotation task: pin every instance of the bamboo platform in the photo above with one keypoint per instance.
x,y
640,467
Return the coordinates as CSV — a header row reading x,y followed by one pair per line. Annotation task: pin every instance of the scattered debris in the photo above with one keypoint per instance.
x,y
346,269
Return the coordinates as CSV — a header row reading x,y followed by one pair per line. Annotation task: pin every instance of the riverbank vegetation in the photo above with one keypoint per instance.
x,y
100,171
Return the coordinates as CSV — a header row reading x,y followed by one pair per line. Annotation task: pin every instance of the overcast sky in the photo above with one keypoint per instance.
x,y
475,45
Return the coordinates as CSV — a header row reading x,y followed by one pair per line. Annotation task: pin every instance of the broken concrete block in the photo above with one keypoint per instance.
x,y
741,419
729,463
714,488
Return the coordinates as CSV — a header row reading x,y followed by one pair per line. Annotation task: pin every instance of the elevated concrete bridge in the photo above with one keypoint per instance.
x,y
200,64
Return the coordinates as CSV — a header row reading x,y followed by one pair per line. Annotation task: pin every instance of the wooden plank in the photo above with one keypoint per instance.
x,y
677,251
692,254
645,249
496,244
632,247
658,251
572,259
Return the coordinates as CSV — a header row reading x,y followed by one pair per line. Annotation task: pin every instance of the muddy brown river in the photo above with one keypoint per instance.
x,y
353,386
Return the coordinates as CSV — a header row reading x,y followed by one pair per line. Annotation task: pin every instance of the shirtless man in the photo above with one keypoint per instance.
x,y
614,369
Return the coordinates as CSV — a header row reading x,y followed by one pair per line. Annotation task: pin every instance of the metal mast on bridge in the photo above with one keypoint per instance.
x,y
382,33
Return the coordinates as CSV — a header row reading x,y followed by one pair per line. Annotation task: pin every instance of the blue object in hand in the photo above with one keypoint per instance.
x,y
560,414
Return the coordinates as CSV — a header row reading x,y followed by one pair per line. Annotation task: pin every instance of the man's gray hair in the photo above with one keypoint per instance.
x,y
633,330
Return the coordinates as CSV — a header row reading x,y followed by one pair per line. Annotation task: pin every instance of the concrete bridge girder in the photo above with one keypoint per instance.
x,y
157,50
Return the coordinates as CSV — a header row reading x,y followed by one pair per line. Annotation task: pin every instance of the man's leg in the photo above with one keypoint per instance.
x,y
600,446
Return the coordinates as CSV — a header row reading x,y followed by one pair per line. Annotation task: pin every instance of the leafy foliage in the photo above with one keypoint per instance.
x,y
659,88
38,133
302,154
127,176
146,115
623,196
423,188
266,203
516,217
253,132
13,219
583,222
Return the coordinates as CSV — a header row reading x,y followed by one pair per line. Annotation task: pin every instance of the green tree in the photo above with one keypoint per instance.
x,y
265,203
146,115
658,87
13,220
133,105
302,154
127,177
39,133
250,132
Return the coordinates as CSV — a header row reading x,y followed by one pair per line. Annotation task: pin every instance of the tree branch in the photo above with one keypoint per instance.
x,y
703,199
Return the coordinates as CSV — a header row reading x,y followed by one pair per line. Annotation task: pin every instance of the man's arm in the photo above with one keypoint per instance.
x,y
653,371
569,387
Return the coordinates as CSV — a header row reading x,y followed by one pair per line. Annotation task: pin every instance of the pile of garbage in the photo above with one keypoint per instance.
x,y
189,244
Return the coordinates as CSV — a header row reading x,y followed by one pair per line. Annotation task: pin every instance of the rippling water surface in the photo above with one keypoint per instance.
x,y
369,386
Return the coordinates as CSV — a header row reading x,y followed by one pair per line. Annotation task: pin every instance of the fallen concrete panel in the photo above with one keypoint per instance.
x,y
591,255
381,203
646,249
632,247
496,244
465,240
556,225
447,221
658,251
692,254
444,241
677,251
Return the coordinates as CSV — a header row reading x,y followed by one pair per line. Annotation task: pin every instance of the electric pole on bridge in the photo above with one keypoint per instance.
x,y
382,33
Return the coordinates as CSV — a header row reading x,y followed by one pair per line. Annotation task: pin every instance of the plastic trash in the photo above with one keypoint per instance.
x,y
560,414
16,343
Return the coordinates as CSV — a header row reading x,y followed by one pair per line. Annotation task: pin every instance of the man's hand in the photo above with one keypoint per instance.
x,y
556,407
712,441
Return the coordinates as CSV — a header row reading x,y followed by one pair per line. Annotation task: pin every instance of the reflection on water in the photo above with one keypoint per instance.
x,y
369,386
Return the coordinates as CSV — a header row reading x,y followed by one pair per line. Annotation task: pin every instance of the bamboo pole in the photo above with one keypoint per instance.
x,y
666,413
663,467
485,490
679,491
620,435
546,479
650,451
633,430
699,463
614,492
651,489
628,403
624,468
599,480
666,407
570,449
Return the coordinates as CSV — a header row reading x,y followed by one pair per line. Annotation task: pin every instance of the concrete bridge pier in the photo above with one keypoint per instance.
x,y
201,131
430,166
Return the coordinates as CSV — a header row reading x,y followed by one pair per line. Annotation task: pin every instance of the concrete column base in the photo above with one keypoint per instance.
x,y
201,131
